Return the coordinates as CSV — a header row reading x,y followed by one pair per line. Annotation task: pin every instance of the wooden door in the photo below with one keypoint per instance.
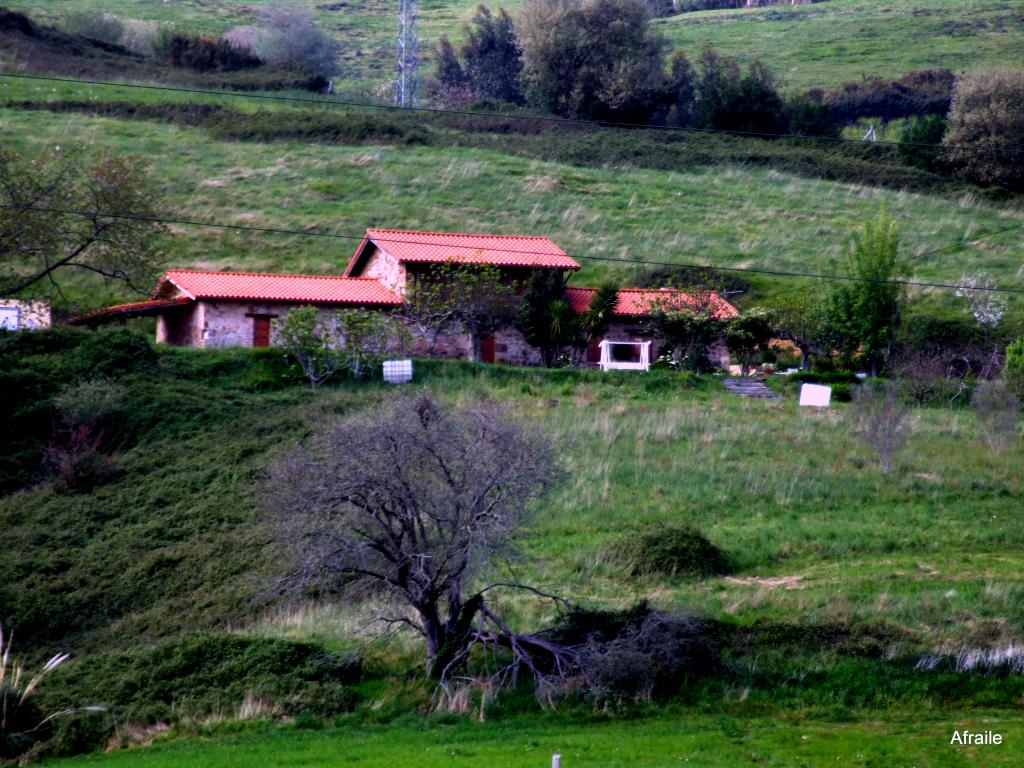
x,y
487,344
261,331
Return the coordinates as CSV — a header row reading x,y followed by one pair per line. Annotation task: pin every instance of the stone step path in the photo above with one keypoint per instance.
x,y
750,388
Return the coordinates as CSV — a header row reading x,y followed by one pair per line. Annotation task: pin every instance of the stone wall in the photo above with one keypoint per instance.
x,y
181,327
387,269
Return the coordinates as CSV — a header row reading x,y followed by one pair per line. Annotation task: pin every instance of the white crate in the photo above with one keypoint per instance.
x,y
815,395
398,371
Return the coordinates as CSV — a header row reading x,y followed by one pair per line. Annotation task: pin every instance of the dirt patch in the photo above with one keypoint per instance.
x,y
541,183
786,582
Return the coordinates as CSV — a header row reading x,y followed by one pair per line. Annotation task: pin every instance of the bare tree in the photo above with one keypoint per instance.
x,y
998,412
416,500
61,211
881,420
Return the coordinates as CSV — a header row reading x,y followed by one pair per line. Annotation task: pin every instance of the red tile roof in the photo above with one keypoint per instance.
x,y
134,309
497,250
636,302
312,289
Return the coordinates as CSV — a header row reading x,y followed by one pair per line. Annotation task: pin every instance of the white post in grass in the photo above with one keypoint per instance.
x,y
556,761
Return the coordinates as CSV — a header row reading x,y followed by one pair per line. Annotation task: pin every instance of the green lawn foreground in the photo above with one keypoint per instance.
x,y
707,741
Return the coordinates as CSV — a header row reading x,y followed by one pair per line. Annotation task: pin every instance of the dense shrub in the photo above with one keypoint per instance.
x,y
78,732
689,277
636,654
138,36
922,140
290,35
997,408
202,674
924,92
843,383
986,127
95,25
670,550
203,53
37,367
13,21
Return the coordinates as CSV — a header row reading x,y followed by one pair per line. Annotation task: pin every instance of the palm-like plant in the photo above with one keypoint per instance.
x,y
22,724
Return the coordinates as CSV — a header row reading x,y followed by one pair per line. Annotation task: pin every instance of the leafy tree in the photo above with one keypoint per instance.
x,y
986,127
545,318
595,318
313,341
681,88
800,319
369,336
592,58
475,298
323,344
41,240
748,333
729,99
450,83
807,114
417,501
688,328
863,315
1013,372
493,58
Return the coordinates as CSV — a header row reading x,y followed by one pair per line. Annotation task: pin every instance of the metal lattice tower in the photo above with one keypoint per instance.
x,y
407,75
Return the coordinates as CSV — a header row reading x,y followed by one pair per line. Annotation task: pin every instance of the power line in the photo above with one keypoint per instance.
x,y
505,116
397,241
962,243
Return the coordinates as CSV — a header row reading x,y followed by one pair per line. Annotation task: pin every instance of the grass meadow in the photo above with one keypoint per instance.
x,y
658,742
822,44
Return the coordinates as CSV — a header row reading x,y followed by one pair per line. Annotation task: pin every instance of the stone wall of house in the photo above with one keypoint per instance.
x,y
230,324
387,269
18,314
181,326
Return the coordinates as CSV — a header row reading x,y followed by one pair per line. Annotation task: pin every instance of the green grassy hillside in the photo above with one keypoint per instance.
x,y
843,576
737,215
815,45
826,43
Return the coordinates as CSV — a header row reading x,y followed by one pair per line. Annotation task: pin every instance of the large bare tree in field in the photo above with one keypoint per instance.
x,y
61,211
417,500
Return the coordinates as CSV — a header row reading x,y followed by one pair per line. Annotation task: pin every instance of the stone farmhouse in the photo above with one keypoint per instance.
x,y
200,308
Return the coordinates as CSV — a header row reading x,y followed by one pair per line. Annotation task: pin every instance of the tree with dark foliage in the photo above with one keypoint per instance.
x,y
487,65
416,500
594,59
545,318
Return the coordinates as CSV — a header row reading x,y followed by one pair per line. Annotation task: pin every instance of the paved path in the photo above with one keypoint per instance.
x,y
750,388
